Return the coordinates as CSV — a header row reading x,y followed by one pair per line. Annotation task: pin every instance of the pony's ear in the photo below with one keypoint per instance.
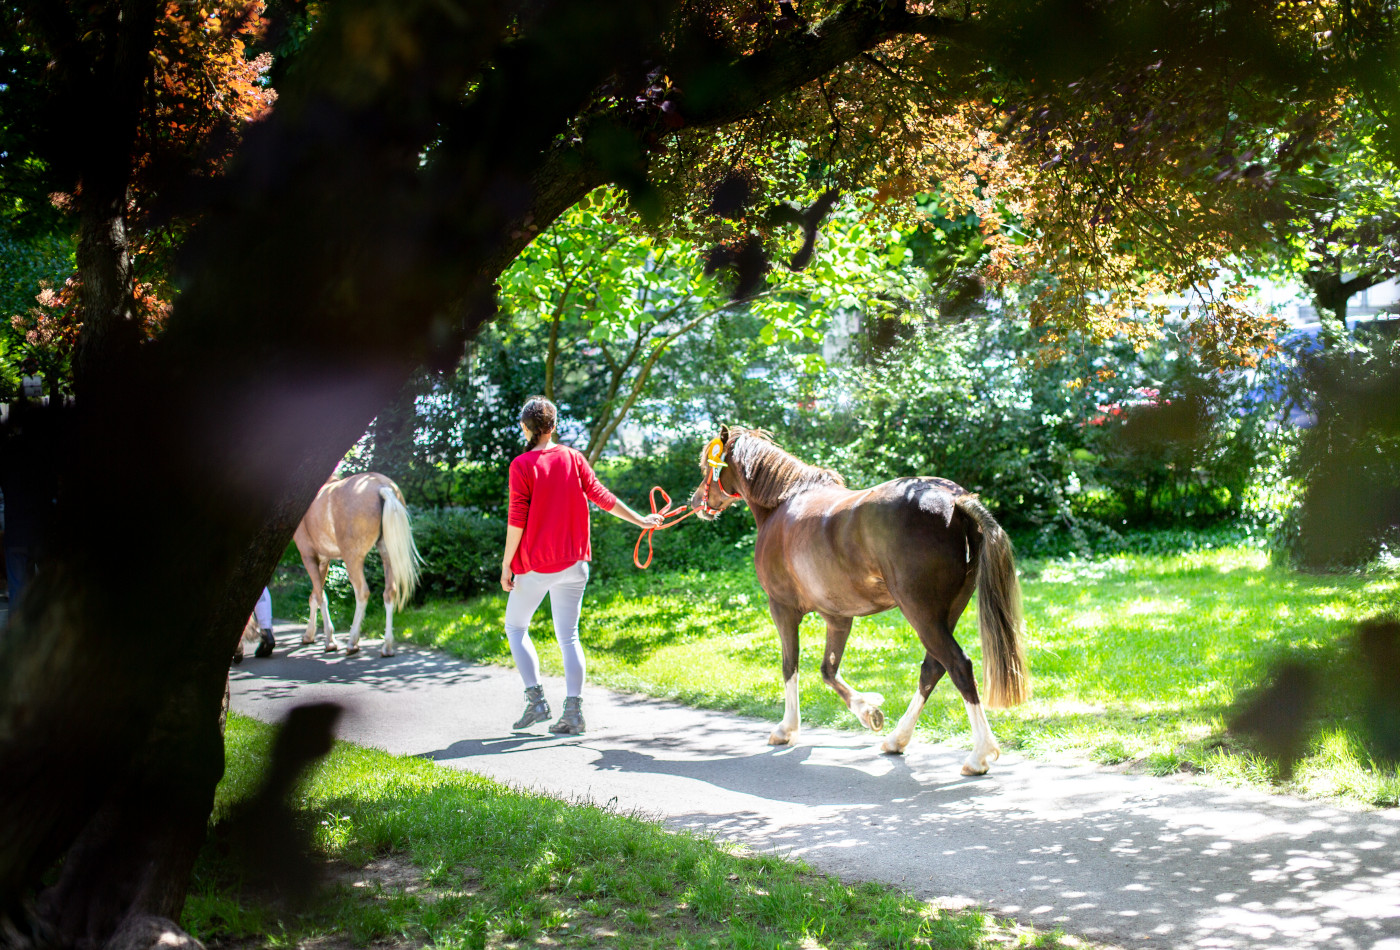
x,y
724,435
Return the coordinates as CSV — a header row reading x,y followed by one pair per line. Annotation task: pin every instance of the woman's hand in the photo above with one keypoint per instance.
x,y
652,520
507,578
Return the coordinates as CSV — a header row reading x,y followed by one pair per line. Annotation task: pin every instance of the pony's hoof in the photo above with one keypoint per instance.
x,y
332,647
969,770
778,737
890,747
351,651
386,653
877,720
307,641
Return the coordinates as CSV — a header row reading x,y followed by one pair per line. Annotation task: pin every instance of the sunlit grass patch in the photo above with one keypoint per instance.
x,y
1147,652
421,855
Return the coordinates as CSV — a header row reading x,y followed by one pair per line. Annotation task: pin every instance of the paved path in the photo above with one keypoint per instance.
x,y
1128,860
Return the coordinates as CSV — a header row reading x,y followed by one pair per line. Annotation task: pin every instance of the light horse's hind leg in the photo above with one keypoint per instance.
x,y
316,568
865,706
786,619
388,648
355,567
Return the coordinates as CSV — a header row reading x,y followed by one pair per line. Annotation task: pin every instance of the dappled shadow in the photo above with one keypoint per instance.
x,y
1144,864
294,666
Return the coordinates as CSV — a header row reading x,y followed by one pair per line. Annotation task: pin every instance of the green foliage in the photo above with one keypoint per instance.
x,y
461,551
1044,444
1189,450
25,263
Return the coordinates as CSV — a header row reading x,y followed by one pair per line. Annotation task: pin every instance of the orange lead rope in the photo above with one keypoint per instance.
x,y
666,512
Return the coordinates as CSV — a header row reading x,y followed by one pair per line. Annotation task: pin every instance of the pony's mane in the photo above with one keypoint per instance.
x,y
772,474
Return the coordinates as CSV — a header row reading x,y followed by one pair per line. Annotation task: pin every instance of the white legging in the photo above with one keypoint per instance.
x,y
263,610
565,590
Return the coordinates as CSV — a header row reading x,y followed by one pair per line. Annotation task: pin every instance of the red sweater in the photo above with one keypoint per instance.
x,y
549,494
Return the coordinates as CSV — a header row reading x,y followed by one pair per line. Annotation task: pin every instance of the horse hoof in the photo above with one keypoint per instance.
x,y
332,647
307,641
779,738
877,720
889,748
969,770
386,653
351,651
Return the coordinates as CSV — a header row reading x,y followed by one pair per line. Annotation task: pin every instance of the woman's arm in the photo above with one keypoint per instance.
x,y
620,510
513,536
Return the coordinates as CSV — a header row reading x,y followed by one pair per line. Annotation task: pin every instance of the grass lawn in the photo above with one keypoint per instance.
x,y
420,855
1135,659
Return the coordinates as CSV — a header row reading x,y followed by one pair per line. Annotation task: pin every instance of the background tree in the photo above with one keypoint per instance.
x,y
144,124
1338,229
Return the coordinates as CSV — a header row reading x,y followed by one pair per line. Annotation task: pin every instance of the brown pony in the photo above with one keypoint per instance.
x,y
347,518
920,544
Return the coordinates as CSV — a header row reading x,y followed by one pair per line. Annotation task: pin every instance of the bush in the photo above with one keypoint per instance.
x,y
694,544
1189,452
461,550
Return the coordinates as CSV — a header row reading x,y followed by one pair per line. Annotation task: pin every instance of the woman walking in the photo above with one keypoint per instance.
x,y
547,552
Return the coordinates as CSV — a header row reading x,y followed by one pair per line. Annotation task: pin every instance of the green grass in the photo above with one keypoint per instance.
x,y
1136,659
421,855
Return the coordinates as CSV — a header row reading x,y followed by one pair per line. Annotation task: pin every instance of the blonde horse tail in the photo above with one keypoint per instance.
x,y
999,617
399,549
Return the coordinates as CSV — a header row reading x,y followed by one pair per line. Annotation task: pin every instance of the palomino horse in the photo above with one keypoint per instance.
x,y
920,544
348,517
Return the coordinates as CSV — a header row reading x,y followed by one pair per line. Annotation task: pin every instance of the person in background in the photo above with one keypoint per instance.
x,y
262,611
547,552
28,482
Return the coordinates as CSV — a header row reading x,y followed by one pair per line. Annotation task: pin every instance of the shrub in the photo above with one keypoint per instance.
x,y
694,544
461,550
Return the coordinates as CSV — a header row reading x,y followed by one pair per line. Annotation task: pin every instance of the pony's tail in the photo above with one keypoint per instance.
x,y
1007,682
399,549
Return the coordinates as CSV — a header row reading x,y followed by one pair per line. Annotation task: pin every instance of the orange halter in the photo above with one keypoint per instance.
x,y
714,458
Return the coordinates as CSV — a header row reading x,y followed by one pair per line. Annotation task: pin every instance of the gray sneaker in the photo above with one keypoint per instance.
x,y
571,723
536,708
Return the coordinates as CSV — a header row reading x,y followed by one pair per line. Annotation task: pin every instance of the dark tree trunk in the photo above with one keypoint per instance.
x,y
1331,293
393,432
111,328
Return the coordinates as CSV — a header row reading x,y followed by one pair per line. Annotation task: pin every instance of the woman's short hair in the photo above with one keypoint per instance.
x,y
540,417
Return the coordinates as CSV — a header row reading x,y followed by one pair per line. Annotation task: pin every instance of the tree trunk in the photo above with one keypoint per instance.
x,y
1331,292
393,433
111,328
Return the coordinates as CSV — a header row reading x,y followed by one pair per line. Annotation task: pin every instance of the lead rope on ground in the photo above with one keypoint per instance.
x,y
665,512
